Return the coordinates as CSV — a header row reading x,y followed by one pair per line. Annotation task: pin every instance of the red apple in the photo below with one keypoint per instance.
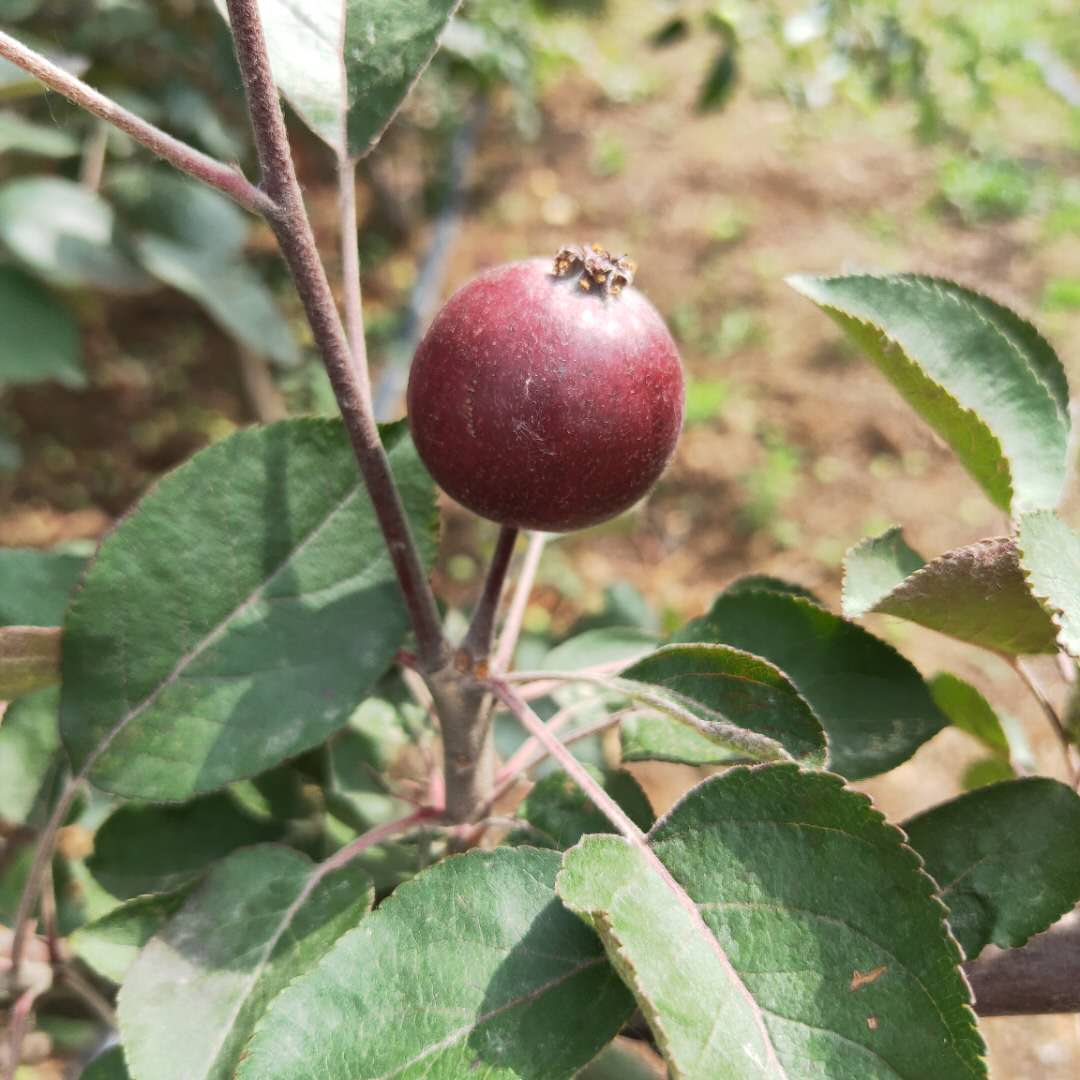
x,y
546,396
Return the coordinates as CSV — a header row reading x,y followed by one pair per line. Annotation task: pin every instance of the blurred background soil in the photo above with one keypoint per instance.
x,y
795,446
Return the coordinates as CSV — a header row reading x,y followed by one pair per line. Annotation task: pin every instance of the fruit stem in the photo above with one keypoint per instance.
x,y
504,651
297,242
477,641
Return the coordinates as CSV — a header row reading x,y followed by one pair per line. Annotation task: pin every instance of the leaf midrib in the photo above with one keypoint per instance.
x,y
214,635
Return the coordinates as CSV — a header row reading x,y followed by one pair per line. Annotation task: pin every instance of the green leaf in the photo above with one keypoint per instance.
x,y
64,232
193,996
29,743
790,928
181,210
29,659
35,585
874,567
107,1066
40,339
473,968
983,378
111,943
560,810
1004,858
726,688
1050,556
384,45
19,135
873,704
362,756
602,645
985,771
231,292
144,849
969,711
265,608
625,1059
976,594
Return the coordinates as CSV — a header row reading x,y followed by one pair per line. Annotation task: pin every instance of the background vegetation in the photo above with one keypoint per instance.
x,y
723,146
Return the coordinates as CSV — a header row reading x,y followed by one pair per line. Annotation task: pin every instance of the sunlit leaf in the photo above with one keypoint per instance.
x,y
264,607
1004,858
473,968
785,924
192,998
976,593
873,704
981,376
346,66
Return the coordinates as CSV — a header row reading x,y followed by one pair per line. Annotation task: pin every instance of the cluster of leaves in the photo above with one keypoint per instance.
x,y
255,868
227,654
70,229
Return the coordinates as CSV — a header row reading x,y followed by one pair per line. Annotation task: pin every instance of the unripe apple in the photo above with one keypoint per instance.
x,y
547,396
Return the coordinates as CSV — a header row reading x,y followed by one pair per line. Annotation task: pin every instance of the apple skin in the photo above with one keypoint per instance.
x,y
544,402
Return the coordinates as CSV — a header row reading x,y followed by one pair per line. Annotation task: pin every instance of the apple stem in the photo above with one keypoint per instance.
x,y
226,178
477,641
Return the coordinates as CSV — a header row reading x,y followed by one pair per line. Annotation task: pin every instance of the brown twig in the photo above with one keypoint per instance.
x,y
477,641
297,242
227,179
1041,977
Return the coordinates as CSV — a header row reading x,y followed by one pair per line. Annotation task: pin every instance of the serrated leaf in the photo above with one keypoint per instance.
x,y
562,812
231,292
266,608
111,943
725,687
40,340
261,918
1050,556
969,711
1004,858
976,594
977,373
494,976
346,66
35,585
141,849
873,704
790,927
874,567
65,232
19,135
29,744
29,659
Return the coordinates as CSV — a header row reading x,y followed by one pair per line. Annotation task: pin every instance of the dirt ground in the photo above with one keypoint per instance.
x,y
803,449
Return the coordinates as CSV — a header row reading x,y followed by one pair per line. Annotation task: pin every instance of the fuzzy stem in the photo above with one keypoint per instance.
x,y
297,242
751,743
1068,750
573,768
43,854
350,272
378,835
477,641
227,179
504,651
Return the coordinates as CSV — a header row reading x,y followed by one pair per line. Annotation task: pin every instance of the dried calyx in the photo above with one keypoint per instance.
x,y
597,270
